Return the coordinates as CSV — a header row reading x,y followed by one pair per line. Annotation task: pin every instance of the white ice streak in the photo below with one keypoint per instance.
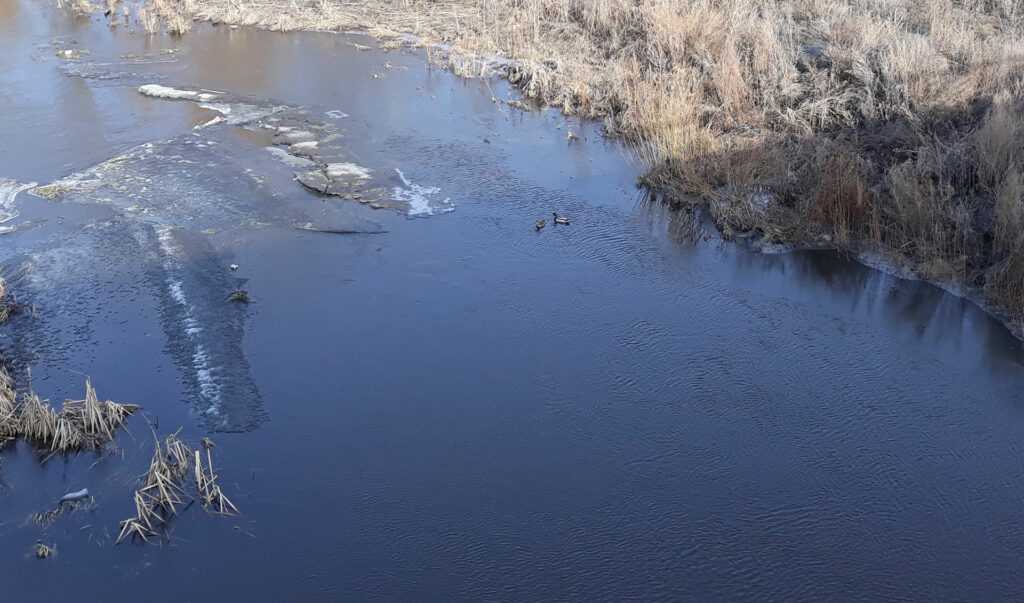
x,y
420,198
347,170
158,91
9,190
208,386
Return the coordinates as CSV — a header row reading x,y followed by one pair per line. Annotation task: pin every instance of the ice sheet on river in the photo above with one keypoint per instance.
x,y
167,198
88,282
126,70
205,332
9,190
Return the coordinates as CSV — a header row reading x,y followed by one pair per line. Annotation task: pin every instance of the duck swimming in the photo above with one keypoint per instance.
x,y
560,219
541,224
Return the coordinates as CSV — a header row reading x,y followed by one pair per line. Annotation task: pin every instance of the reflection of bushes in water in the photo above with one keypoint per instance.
x,y
943,194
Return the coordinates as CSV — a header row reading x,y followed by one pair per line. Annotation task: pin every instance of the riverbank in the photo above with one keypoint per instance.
x,y
889,129
467,407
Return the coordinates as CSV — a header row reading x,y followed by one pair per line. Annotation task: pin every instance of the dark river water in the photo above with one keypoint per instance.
x,y
448,404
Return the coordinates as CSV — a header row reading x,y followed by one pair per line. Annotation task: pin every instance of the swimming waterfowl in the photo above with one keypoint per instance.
x,y
541,224
560,219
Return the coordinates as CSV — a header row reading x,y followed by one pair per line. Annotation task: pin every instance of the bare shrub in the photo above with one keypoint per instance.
x,y
842,199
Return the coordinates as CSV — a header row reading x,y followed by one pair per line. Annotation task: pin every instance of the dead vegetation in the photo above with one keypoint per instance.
x,y
80,8
163,493
9,421
239,296
46,519
210,494
8,304
176,15
867,125
87,424
43,551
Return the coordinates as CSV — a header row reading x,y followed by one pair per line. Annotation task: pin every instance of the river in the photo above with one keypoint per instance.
x,y
440,402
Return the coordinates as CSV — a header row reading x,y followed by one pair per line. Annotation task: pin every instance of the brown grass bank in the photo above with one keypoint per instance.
x,y
890,126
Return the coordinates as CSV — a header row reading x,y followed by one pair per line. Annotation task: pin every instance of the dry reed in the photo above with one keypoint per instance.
x,y
80,8
43,551
210,494
175,15
8,304
87,424
9,422
161,493
163,489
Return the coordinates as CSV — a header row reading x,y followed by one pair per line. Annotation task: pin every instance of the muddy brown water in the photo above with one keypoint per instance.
x,y
459,407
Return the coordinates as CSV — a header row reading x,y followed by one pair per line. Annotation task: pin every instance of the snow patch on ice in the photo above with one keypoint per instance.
x,y
9,190
290,160
236,114
158,91
347,170
421,199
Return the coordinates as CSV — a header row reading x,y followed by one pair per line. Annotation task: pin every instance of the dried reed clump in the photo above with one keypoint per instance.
x,y
80,8
206,482
175,15
96,420
45,519
163,492
8,304
37,421
43,551
87,424
149,19
9,422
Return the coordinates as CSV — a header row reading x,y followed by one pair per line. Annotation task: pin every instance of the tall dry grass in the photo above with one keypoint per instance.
x,y
891,124
87,424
